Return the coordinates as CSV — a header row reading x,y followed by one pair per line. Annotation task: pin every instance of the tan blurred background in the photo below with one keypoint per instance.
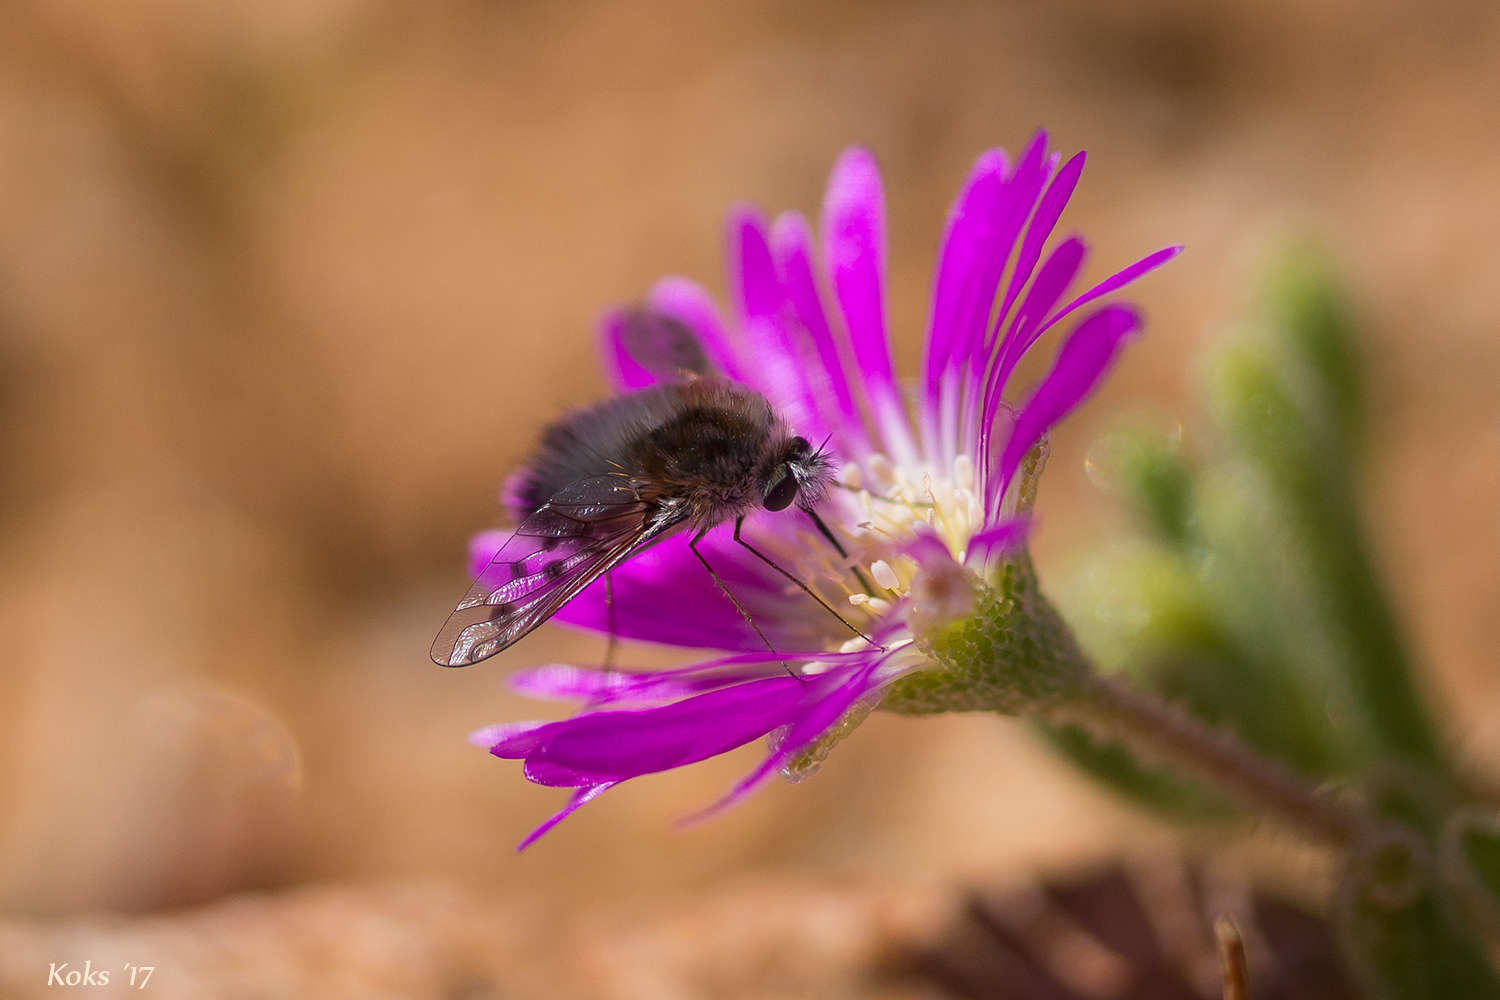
x,y
286,288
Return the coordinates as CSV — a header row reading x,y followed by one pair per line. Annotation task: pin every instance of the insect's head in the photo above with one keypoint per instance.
x,y
800,473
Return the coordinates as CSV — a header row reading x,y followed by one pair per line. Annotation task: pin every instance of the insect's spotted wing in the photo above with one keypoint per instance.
x,y
585,529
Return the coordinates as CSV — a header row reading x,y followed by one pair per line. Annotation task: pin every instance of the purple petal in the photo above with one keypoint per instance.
x,y
1081,364
488,737
791,246
561,682
1003,539
1043,221
613,746
582,795
514,740
686,301
818,717
664,595
623,372
1115,282
541,772
1021,192
752,272
971,259
1057,274
778,371
926,546
854,253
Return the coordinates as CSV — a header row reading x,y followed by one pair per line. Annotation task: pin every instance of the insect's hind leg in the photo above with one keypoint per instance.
x,y
693,545
805,588
613,642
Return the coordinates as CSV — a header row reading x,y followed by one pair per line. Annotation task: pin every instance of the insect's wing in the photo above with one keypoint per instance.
x,y
663,346
585,529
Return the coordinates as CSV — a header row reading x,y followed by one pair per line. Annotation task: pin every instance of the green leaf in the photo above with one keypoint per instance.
x,y
1145,469
1266,407
1400,936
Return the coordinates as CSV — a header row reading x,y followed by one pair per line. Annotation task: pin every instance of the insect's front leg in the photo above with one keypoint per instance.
x,y
739,523
693,545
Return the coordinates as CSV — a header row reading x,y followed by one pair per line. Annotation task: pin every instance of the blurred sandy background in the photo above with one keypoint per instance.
x,y
286,288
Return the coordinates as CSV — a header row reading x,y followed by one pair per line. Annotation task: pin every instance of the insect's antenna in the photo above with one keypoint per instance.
x,y
739,522
729,594
823,530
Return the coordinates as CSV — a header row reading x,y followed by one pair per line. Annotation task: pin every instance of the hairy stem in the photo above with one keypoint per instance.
x,y
1161,731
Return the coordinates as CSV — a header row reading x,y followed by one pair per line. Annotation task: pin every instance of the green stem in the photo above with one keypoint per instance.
x,y
1160,730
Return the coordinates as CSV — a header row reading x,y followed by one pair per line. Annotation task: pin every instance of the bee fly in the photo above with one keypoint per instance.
x,y
688,453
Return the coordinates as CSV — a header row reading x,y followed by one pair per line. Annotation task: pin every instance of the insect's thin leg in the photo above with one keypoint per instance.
x,y
739,522
823,529
609,617
738,606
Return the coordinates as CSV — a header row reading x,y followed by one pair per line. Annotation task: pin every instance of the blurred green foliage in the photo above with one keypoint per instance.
x,y
1247,595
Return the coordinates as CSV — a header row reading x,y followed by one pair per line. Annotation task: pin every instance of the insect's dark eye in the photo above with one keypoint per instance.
x,y
782,492
798,449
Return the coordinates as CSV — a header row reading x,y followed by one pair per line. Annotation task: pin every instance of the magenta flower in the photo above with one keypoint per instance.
x,y
928,503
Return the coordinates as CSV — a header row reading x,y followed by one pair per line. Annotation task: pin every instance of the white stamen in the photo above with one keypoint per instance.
x,y
850,476
881,470
859,600
963,472
884,575
879,606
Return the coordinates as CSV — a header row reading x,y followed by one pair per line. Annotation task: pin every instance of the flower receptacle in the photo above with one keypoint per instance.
x,y
1013,654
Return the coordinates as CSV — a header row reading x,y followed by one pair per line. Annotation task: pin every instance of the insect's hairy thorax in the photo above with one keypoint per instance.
x,y
703,444
702,447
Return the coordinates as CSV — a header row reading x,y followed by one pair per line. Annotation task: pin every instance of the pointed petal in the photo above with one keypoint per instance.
x,y
854,253
819,714
1021,192
779,370
621,371
1081,364
489,737
1115,282
970,261
1057,274
663,594
624,744
687,302
791,246
586,794
562,682
1003,539
1043,221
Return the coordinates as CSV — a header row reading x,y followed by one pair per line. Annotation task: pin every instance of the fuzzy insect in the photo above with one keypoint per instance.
x,y
687,454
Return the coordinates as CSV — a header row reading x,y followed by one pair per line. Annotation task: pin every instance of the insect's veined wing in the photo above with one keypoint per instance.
x,y
586,528
663,346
